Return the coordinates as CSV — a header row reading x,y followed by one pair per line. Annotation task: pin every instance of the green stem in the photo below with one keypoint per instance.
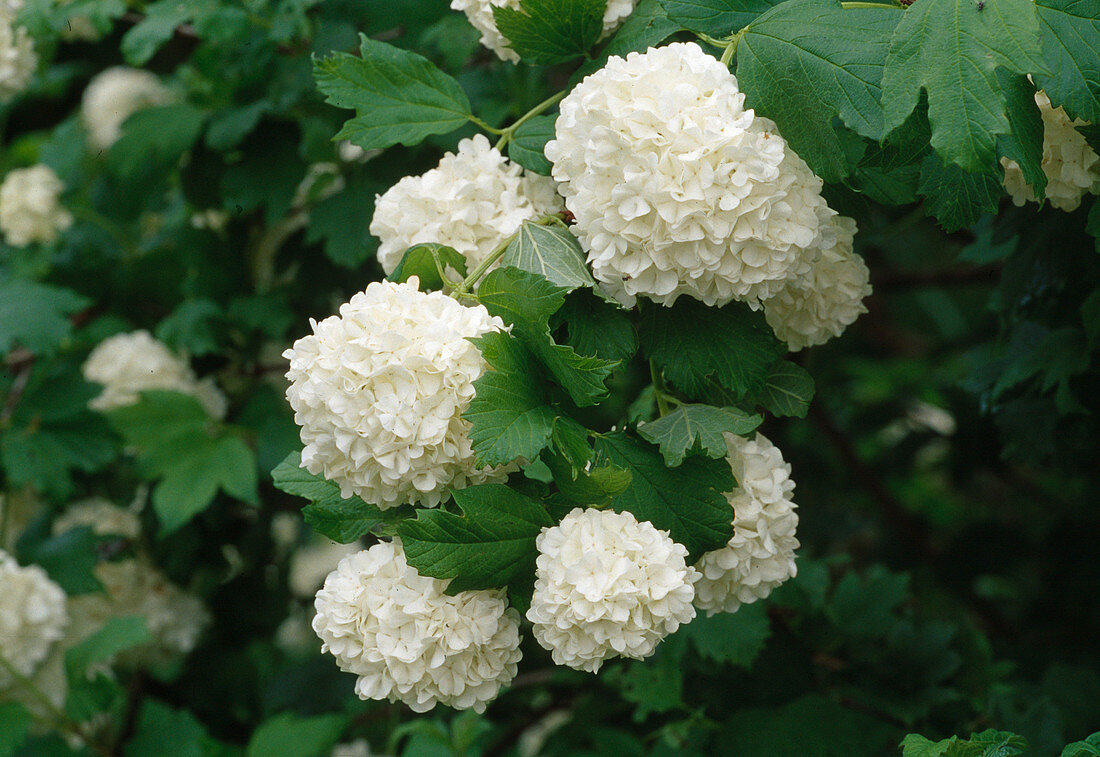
x,y
61,720
860,4
731,47
483,125
463,289
659,389
507,134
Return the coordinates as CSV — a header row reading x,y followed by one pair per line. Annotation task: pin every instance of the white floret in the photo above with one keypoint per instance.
x,y
473,200
379,391
480,14
114,95
761,553
607,585
127,364
813,308
103,517
408,641
18,60
30,208
1072,167
677,188
32,616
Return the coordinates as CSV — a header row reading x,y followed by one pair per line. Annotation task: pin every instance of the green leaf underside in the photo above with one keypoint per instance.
x,y
398,96
508,415
686,501
551,31
491,545
697,429
340,519
1024,144
716,18
954,197
529,141
551,251
805,62
420,261
1071,50
527,301
951,49
691,341
989,743
788,390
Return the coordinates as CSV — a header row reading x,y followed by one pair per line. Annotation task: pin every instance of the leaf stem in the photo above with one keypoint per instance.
x,y
463,289
483,125
659,390
507,134
731,47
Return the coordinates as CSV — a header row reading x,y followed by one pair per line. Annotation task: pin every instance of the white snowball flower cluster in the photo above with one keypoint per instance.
x,y
103,517
480,13
30,210
18,59
471,201
608,585
32,616
677,188
113,96
408,641
760,554
379,392
1072,167
813,308
126,364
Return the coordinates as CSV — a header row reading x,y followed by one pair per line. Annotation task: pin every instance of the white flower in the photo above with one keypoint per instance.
x,y
29,208
103,517
126,364
760,555
813,308
32,616
472,201
608,585
357,748
379,392
1072,167
313,561
677,188
18,60
480,13
113,96
408,641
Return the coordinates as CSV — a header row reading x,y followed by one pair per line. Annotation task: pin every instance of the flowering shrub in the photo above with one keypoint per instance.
x,y
404,377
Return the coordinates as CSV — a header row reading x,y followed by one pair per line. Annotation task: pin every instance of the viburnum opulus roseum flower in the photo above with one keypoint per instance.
x,y
1072,167
32,616
408,641
677,188
606,585
472,201
114,95
815,307
760,554
379,392
480,13
18,60
30,209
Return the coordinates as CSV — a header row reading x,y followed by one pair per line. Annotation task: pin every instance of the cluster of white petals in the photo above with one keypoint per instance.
x,y
103,517
480,13
473,200
30,210
32,616
820,305
126,364
606,585
760,554
1072,167
379,392
408,641
677,188
18,59
113,96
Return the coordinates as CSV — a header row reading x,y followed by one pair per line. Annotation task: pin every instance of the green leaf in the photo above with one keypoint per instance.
x,y
340,519
734,638
426,261
551,31
508,415
155,139
527,301
1071,50
155,28
35,316
806,62
69,559
988,743
343,222
954,197
688,501
15,722
1090,747
1090,316
398,96
654,685
1024,144
289,735
788,390
597,486
646,27
551,251
597,327
716,18
697,429
117,635
165,732
863,606
529,141
230,126
690,342
492,544
952,49
192,327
